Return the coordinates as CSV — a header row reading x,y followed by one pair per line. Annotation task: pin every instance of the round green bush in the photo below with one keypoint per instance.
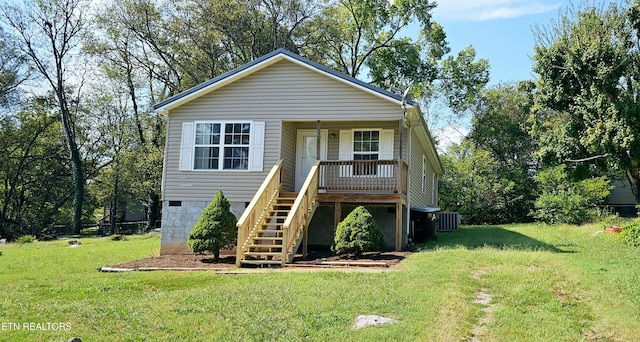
x,y
358,233
216,228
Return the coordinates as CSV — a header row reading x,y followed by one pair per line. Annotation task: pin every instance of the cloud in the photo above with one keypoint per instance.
x,y
483,10
449,135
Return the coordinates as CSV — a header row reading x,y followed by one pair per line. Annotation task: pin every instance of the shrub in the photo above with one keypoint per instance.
x,y
26,239
216,228
358,233
564,200
630,234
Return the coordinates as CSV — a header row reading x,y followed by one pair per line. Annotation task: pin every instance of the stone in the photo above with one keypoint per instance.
x,y
364,321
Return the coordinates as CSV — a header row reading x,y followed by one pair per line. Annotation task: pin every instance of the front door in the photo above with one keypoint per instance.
x,y
306,153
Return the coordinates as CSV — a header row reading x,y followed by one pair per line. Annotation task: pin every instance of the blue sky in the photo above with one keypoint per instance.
x,y
500,31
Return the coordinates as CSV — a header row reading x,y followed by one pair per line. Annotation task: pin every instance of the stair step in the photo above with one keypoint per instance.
x,y
262,253
277,224
266,238
275,217
269,230
288,194
261,262
264,246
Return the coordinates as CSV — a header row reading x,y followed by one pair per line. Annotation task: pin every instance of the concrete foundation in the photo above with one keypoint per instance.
x,y
177,222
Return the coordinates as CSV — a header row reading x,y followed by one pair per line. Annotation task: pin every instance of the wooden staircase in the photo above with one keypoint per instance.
x,y
271,229
264,247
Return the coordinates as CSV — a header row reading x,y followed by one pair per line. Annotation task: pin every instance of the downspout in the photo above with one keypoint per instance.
x,y
409,138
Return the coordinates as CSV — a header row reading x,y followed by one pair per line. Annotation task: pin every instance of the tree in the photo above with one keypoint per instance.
x,y
358,233
564,199
474,186
34,170
216,228
13,69
358,36
500,126
50,33
588,62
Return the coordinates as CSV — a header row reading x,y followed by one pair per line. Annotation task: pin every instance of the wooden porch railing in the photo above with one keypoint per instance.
x,y
364,175
301,212
253,214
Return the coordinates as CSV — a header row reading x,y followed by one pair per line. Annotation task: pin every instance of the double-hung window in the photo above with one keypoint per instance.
x,y
221,146
207,146
366,146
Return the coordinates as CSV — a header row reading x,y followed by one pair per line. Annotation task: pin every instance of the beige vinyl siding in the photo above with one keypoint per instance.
x,y
282,92
290,92
288,153
415,172
335,127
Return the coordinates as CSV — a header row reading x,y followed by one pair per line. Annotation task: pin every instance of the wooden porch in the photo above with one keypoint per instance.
x,y
275,224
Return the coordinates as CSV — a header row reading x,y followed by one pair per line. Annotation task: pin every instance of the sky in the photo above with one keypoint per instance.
x,y
501,31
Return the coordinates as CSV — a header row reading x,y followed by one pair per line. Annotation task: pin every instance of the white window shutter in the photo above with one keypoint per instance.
x,y
256,154
346,145
345,151
186,147
386,144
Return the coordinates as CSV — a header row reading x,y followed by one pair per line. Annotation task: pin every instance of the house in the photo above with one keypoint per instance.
x,y
294,146
621,199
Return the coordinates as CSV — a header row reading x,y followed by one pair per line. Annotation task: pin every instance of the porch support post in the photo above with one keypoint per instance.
x,y
305,238
337,215
400,129
398,226
318,140
398,183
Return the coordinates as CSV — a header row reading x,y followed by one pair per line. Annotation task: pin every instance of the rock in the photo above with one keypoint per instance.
x,y
364,321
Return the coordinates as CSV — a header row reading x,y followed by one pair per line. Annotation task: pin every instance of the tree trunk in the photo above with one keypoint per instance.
x,y
633,175
153,213
78,178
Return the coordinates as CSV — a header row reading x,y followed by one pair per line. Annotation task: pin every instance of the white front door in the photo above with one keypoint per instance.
x,y
306,150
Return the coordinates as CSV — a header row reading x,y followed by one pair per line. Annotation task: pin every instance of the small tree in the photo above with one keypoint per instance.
x,y
216,228
358,233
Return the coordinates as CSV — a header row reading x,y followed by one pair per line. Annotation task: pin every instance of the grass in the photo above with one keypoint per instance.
x,y
560,283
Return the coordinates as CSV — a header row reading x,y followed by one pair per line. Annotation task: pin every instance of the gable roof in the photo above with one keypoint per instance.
x,y
265,61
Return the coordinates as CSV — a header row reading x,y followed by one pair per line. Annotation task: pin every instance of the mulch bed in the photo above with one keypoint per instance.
x,y
315,258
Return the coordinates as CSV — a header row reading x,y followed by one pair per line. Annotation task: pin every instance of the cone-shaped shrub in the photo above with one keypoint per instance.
x,y
358,233
216,228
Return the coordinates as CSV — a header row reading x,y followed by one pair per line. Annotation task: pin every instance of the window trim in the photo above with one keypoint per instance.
x,y
353,139
222,145
424,174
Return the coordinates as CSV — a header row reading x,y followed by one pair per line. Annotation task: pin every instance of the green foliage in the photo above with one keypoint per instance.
x,y
588,92
216,228
358,233
25,239
565,200
34,171
475,185
630,234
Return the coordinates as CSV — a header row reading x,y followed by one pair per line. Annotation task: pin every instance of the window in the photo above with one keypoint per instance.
x,y
366,146
424,175
222,146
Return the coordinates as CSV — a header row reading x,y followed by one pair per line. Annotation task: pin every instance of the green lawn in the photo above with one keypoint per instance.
x,y
544,283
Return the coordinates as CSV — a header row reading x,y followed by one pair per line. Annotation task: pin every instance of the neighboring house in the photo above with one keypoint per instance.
x,y
254,132
621,199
